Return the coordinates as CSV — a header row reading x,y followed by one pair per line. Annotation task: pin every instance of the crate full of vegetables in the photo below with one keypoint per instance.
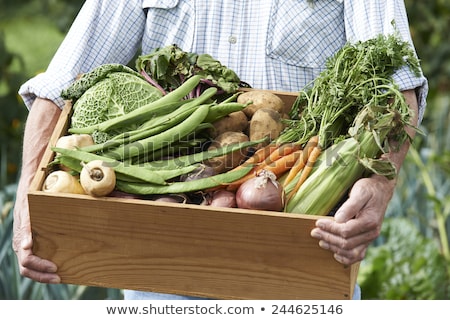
x,y
191,185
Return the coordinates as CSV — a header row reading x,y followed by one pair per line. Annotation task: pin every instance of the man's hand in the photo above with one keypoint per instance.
x,y
39,127
357,222
32,266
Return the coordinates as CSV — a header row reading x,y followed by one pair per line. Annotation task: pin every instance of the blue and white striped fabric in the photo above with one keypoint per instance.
x,y
278,45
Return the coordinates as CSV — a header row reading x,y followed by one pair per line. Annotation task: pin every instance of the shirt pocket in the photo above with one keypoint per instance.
x,y
304,34
160,4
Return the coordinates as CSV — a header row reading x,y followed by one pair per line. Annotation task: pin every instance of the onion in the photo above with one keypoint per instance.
x,y
223,198
263,192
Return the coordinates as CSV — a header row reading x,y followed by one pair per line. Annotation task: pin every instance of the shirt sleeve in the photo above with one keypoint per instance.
x,y
367,19
104,31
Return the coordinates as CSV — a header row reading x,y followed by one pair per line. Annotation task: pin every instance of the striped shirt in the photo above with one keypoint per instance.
x,y
276,45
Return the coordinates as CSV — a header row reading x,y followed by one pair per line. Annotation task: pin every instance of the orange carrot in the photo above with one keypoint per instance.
x,y
278,167
281,151
283,164
255,159
262,157
301,162
261,154
306,170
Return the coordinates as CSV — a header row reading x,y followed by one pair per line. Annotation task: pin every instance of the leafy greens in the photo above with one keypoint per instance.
x,y
168,67
106,92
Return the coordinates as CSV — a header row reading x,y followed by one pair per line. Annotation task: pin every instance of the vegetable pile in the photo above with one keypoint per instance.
x,y
179,129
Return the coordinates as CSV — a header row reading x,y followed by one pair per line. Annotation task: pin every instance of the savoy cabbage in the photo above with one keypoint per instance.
x,y
107,95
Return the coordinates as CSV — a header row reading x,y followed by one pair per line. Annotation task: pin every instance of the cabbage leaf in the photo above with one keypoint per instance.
x,y
109,95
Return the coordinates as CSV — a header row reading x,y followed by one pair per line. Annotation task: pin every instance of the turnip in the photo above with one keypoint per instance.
x,y
97,178
62,181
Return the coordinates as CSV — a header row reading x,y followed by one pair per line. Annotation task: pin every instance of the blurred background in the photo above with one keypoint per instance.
x,y
411,258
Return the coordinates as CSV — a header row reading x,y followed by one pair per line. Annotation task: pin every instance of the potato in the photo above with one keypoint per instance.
x,y
260,99
231,160
234,122
265,123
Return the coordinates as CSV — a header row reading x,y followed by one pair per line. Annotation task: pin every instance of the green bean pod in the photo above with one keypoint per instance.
x,y
143,174
185,186
219,111
158,141
146,112
200,156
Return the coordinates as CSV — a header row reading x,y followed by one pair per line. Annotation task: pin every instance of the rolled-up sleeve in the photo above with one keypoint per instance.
x,y
367,19
107,31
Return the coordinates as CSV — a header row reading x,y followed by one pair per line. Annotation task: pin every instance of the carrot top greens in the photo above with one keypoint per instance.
x,y
358,75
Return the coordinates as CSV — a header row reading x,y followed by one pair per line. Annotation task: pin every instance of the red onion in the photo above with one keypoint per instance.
x,y
223,198
263,192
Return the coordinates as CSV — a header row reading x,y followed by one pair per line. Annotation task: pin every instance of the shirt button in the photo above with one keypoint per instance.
x,y
232,39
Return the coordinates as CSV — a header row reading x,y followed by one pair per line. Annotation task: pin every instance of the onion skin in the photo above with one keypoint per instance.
x,y
223,198
263,192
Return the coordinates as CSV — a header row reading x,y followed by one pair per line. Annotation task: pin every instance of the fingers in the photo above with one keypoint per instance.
x,y
33,267
347,250
30,265
351,257
349,240
39,269
356,223
359,197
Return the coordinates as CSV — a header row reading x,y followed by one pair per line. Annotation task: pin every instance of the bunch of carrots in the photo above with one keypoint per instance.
x,y
285,160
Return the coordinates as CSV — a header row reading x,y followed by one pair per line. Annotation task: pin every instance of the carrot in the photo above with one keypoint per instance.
x,y
301,162
259,155
277,153
315,152
278,166
281,151
253,161
283,164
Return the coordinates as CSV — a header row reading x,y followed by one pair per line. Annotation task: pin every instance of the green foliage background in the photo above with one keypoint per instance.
x,y
411,258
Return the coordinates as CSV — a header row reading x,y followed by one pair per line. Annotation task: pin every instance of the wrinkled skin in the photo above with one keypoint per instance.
x,y
357,222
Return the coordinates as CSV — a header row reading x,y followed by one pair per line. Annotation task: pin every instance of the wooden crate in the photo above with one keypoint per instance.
x,y
183,249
